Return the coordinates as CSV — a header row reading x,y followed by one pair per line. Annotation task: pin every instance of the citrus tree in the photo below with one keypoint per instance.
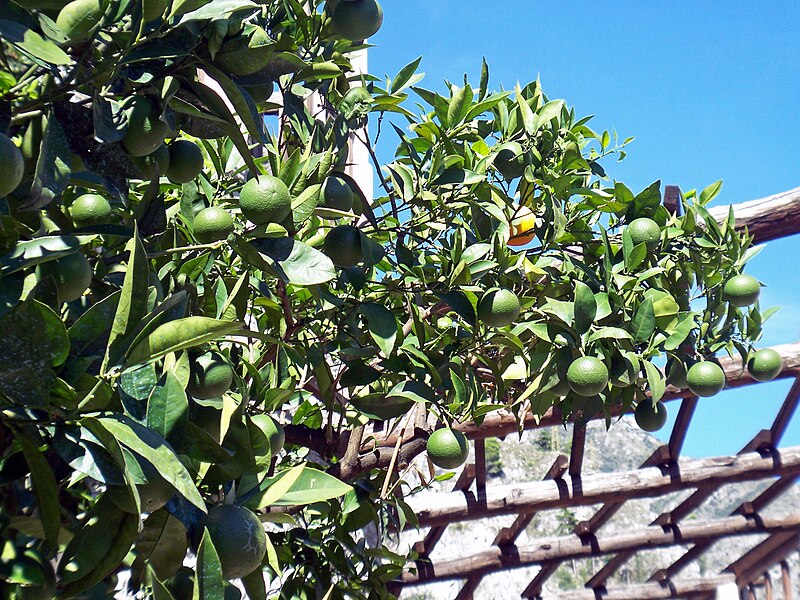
x,y
210,332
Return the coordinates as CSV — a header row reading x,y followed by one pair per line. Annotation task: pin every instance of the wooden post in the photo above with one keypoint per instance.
x,y
786,581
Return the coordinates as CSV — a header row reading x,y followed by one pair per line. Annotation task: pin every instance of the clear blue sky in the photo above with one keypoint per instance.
x,y
710,90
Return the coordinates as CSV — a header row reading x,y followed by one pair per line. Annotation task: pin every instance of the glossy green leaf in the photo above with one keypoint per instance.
x,y
154,448
44,487
168,407
382,325
161,546
655,380
644,322
208,581
585,307
33,43
178,335
403,76
296,262
310,485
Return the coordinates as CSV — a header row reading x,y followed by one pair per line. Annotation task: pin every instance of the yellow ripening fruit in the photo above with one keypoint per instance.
x,y
523,227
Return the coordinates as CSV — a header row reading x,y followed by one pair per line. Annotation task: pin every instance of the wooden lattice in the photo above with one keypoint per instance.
x,y
662,473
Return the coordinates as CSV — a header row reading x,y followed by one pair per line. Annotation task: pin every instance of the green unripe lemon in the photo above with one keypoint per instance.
x,y
78,18
644,231
210,376
510,160
499,307
265,199
705,379
357,20
154,164
238,537
212,224
587,376
447,448
90,209
343,246
273,430
12,166
742,290
337,195
649,417
185,161
72,274
146,131
765,365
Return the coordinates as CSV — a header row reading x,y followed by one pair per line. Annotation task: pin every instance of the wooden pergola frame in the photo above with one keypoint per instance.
x,y
662,473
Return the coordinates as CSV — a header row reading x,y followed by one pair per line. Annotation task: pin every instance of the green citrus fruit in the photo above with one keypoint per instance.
x,y
447,448
238,537
742,290
273,430
765,365
587,376
153,495
246,53
356,103
499,307
77,19
705,379
154,164
12,166
343,246
90,209
337,195
644,231
185,161
210,376
72,274
261,92
146,131
265,199
357,20
676,374
212,224
649,417
510,160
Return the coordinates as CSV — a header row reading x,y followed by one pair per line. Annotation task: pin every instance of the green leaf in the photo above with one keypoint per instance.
x,y
680,332
132,306
303,206
457,176
178,335
459,106
45,488
279,485
711,192
612,333
168,407
161,546
33,43
154,448
296,262
403,76
644,322
38,250
159,591
52,167
216,9
459,302
548,112
254,584
35,340
382,326
655,380
311,485
93,324
585,307
526,112
208,581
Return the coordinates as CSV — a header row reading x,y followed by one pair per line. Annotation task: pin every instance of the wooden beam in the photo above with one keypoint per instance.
x,y
786,581
508,535
689,588
769,552
681,427
569,547
534,588
442,508
578,446
785,413
480,466
767,218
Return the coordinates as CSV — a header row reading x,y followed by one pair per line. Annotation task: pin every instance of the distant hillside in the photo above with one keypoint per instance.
x,y
623,447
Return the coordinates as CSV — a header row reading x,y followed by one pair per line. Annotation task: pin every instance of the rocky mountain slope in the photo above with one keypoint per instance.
x,y
623,447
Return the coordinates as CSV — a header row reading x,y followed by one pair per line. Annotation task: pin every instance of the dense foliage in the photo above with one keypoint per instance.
x,y
179,276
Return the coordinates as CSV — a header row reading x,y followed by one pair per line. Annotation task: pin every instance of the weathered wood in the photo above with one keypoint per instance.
x,y
765,554
786,581
437,509
681,427
767,218
570,547
576,452
534,588
688,588
480,465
